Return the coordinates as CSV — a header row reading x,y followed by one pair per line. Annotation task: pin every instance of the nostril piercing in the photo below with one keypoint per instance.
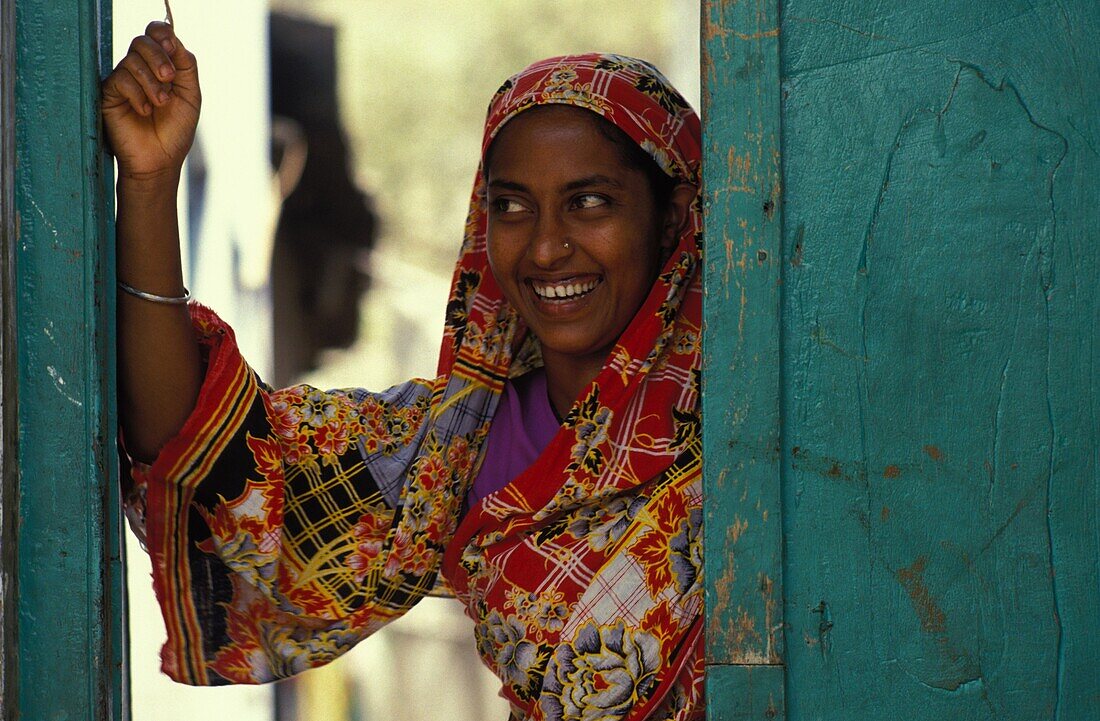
x,y
565,245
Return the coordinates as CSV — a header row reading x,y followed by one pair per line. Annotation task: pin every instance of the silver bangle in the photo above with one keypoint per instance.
x,y
154,298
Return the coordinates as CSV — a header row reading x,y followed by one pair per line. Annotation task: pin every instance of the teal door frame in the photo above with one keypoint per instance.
x,y
741,362
8,476
64,628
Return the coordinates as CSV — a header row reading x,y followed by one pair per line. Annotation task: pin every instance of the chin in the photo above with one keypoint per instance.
x,y
574,349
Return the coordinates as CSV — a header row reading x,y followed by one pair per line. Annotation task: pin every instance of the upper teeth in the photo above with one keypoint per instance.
x,y
564,290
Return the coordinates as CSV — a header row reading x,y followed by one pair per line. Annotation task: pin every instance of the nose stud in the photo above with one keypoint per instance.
x,y
565,245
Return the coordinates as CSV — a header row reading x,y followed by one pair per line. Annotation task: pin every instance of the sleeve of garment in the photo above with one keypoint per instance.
x,y
270,520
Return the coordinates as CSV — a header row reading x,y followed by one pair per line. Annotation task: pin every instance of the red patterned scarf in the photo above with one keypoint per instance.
x,y
585,570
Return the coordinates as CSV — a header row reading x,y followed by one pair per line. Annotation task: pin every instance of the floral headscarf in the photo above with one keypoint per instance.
x,y
286,526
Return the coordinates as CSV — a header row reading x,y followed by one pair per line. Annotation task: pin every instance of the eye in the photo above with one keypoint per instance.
x,y
505,205
585,201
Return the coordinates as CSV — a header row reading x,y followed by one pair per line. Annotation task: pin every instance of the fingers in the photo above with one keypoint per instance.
x,y
165,35
186,77
150,67
156,66
122,88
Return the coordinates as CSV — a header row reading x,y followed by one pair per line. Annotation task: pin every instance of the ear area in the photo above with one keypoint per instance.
x,y
676,214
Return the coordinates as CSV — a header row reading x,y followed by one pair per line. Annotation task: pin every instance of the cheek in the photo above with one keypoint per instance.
x,y
501,262
644,256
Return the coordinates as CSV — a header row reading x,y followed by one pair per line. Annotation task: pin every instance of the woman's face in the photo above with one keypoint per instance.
x,y
574,235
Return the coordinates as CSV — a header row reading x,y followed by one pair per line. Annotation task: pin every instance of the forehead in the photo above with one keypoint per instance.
x,y
561,133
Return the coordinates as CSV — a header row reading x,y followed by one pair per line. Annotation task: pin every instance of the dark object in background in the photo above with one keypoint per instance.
x,y
326,227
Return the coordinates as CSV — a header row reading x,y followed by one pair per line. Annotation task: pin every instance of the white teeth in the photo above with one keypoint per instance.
x,y
564,290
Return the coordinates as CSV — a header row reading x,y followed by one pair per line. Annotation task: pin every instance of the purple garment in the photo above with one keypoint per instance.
x,y
521,429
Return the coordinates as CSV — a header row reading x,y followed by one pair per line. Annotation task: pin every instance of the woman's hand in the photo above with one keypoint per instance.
x,y
151,105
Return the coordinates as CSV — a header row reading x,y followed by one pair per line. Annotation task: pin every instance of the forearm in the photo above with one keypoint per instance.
x,y
159,364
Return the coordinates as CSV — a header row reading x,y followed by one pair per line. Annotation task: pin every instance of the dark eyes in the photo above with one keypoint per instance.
x,y
582,201
506,205
588,200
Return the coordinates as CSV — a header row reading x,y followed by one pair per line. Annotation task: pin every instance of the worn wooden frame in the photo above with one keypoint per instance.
x,y
8,476
69,598
741,382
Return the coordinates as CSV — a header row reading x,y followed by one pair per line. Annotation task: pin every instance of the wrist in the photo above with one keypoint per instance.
x,y
161,182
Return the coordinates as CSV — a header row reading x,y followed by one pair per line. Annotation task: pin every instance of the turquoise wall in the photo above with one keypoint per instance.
x,y
937,381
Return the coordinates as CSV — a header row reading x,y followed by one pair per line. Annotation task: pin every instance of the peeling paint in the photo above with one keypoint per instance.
x,y
42,214
741,314
737,528
832,468
799,244
934,453
59,384
740,177
744,223
932,617
824,629
713,32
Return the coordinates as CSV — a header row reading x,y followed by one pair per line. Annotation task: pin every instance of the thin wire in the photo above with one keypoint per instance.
x,y
168,10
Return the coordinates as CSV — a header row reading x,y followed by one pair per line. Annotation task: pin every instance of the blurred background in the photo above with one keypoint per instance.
x,y
321,212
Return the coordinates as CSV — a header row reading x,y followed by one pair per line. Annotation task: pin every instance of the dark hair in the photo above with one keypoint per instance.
x,y
661,184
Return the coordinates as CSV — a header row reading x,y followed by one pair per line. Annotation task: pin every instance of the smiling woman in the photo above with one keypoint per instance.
x,y
315,517
576,237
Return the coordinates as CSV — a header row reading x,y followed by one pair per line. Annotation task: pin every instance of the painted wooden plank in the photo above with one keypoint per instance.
x,y
741,187
940,308
745,693
8,363
69,580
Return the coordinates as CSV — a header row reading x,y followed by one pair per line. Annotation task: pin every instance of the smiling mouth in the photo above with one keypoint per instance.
x,y
564,291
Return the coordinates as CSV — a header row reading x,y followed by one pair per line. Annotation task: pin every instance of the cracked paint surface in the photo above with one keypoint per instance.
x,y
940,484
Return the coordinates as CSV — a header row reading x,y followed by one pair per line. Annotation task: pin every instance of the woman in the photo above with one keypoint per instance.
x,y
549,476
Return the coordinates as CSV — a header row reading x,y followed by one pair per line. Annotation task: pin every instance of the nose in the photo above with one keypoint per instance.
x,y
550,244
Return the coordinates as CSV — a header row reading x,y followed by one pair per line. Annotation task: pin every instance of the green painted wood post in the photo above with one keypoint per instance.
x,y
8,469
68,587
741,370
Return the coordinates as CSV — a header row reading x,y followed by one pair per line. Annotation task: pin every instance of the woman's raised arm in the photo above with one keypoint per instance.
x,y
150,109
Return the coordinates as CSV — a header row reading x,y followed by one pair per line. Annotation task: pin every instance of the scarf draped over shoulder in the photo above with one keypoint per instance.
x,y
285,526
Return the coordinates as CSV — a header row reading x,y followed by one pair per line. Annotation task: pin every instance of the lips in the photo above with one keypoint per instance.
x,y
564,290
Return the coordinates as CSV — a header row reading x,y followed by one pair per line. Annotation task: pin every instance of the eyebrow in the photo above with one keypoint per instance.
x,y
585,182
